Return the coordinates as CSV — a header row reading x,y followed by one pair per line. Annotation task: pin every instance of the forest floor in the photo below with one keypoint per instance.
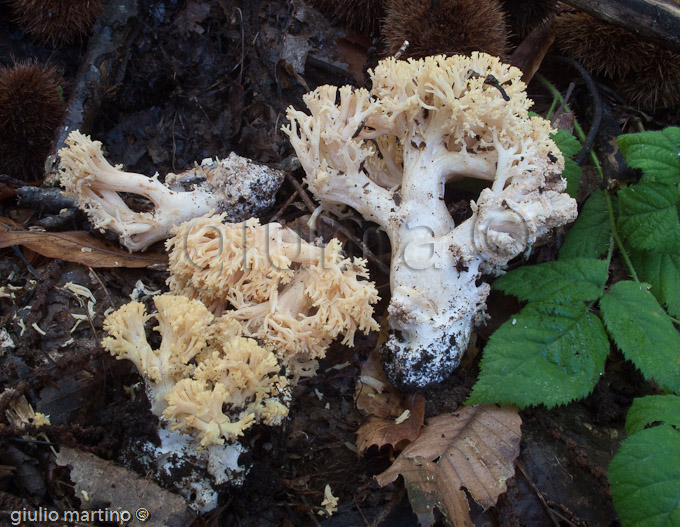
x,y
202,79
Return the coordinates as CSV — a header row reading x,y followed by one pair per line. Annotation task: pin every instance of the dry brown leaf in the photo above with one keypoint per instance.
x,y
75,246
476,449
387,423
191,17
383,431
374,393
530,53
100,481
354,54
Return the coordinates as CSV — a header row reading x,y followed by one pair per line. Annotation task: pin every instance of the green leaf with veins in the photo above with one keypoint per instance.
x,y
550,353
577,279
648,216
591,234
662,272
651,409
645,478
643,332
656,153
569,146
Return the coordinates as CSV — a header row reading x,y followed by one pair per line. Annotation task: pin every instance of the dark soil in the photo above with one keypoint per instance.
x,y
205,78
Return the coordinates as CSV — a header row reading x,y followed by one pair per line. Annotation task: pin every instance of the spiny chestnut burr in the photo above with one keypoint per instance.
x,y
361,15
643,73
56,21
656,84
525,15
31,108
445,26
601,47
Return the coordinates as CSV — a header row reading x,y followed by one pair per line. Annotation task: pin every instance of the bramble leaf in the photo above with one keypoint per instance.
x,y
569,146
645,478
649,216
653,408
566,142
643,332
550,353
656,153
662,271
577,279
590,235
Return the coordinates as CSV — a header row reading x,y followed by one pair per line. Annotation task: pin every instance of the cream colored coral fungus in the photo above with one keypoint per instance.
x,y
389,152
205,378
284,291
235,185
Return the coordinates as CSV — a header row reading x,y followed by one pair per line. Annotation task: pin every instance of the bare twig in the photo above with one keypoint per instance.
x,y
368,254
539,495
106,291
283,207
302,193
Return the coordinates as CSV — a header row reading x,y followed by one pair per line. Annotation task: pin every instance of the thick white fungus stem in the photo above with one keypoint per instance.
x,y
389,153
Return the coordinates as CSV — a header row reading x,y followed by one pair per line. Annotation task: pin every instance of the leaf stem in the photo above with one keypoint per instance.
x,y
577,127
617,238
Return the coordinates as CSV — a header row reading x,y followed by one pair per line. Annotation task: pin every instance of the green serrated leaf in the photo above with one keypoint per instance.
x,y
652,409
662,271
590,235
576,279
645,478
572,173
643,332
569,146
550,353
566,142
648,216
656,153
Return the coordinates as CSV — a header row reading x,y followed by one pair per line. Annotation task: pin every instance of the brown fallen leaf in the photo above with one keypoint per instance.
x,y
103,482
75,246
476,449
393,418
374,394
354,53
382,431
530,53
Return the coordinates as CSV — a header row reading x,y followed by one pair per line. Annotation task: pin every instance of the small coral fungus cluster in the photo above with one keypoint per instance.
x,y
253,307
202,366
31,108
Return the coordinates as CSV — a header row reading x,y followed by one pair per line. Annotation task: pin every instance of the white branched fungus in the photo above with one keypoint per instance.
x,y
388,154
205,378
234,185
284,291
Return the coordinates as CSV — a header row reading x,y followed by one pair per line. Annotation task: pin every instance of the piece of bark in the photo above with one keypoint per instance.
x,y
103,68
654,20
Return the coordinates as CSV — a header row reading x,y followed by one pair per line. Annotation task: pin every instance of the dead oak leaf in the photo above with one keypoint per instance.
x,y
191,17
382,431
75,246
476,449
374,394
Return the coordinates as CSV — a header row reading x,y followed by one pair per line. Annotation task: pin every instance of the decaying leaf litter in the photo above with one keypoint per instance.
x,y
204,79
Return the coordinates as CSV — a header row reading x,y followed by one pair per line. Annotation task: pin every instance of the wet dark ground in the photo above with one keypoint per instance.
x,y
204,79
